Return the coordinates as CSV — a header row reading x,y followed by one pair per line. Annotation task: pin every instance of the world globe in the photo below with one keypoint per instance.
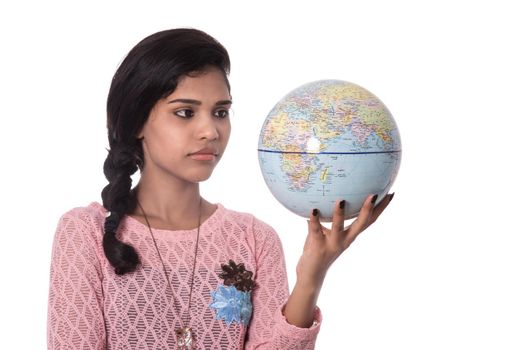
x,y
326,141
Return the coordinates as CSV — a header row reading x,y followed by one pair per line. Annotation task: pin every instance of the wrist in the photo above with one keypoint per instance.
x,y
310,283
312,273
301,305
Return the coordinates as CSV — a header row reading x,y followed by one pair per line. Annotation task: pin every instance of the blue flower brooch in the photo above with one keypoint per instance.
x,y
232,300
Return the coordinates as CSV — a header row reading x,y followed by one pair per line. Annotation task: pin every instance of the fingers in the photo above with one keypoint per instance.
x,y
314,222
364,216
338,216
379,208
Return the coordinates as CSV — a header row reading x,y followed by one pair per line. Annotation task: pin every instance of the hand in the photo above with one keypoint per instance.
x,y
323,246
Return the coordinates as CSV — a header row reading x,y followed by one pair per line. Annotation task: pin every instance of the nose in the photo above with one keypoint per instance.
x,y
207,128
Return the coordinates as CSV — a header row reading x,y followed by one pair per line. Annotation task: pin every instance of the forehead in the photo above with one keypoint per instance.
x,y
208,84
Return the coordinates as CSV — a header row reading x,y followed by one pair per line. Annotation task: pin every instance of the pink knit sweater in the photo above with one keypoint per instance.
x,y
90,307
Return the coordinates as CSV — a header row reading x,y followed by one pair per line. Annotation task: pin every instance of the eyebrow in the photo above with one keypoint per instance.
x,y
196,102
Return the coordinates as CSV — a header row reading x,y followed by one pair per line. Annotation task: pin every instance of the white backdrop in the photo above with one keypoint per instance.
x,y
441,269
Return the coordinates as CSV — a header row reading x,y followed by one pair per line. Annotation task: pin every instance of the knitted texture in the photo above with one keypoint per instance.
x,y
90,307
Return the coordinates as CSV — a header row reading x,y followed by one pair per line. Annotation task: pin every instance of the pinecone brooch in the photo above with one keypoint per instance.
x,y
238,276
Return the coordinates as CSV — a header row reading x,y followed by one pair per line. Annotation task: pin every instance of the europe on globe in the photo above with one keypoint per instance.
x,y
325,141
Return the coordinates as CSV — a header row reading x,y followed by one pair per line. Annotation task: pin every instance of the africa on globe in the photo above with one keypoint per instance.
x,y
325,141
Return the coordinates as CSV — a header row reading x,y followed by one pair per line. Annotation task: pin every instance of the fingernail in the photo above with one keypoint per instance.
x,y
374,199
342,204
391,198
315,212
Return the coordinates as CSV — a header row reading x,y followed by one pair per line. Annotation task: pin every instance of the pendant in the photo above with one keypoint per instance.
x,y
184,339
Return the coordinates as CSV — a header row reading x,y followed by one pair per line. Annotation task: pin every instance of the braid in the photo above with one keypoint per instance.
x,y
118,198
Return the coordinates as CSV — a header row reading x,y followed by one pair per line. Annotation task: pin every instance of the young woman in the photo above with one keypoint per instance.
x,y
159,267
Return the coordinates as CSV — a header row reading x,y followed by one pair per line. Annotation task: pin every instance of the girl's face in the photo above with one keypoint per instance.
x,y
186,133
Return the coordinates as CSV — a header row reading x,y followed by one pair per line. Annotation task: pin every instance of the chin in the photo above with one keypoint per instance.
x,y
202,179
199,177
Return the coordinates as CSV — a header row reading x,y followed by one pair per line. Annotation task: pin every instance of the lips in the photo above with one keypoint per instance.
x,y
205,151
204,154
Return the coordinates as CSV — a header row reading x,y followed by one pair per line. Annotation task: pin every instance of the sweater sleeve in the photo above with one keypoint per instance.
x,y
75,302
269,328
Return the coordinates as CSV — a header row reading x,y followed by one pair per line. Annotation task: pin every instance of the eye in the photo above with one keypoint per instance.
x,y
222,113
184,113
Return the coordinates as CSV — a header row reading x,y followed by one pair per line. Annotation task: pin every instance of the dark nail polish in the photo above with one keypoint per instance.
x,y
342,204
374,199
315,212
391,198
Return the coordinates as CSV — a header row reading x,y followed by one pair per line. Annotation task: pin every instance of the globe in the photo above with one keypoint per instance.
x,y
325,141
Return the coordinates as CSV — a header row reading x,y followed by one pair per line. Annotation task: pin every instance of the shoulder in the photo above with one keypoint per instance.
x,y
78,238
244,219
91,214
249,223
82,222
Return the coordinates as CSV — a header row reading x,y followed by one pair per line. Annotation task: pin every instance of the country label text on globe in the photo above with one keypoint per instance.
x,y
325,141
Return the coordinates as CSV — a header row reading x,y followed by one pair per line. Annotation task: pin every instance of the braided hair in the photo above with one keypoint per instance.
x,y
149,72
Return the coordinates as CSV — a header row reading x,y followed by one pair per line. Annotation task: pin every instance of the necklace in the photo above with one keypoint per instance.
x,y
185,338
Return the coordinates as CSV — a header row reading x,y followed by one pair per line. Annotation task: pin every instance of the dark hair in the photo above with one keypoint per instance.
x,y
149,72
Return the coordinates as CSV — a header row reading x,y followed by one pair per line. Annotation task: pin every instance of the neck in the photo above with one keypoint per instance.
x,y
176,206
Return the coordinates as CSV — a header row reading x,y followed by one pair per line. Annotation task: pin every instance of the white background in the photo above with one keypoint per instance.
x,y
443,266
